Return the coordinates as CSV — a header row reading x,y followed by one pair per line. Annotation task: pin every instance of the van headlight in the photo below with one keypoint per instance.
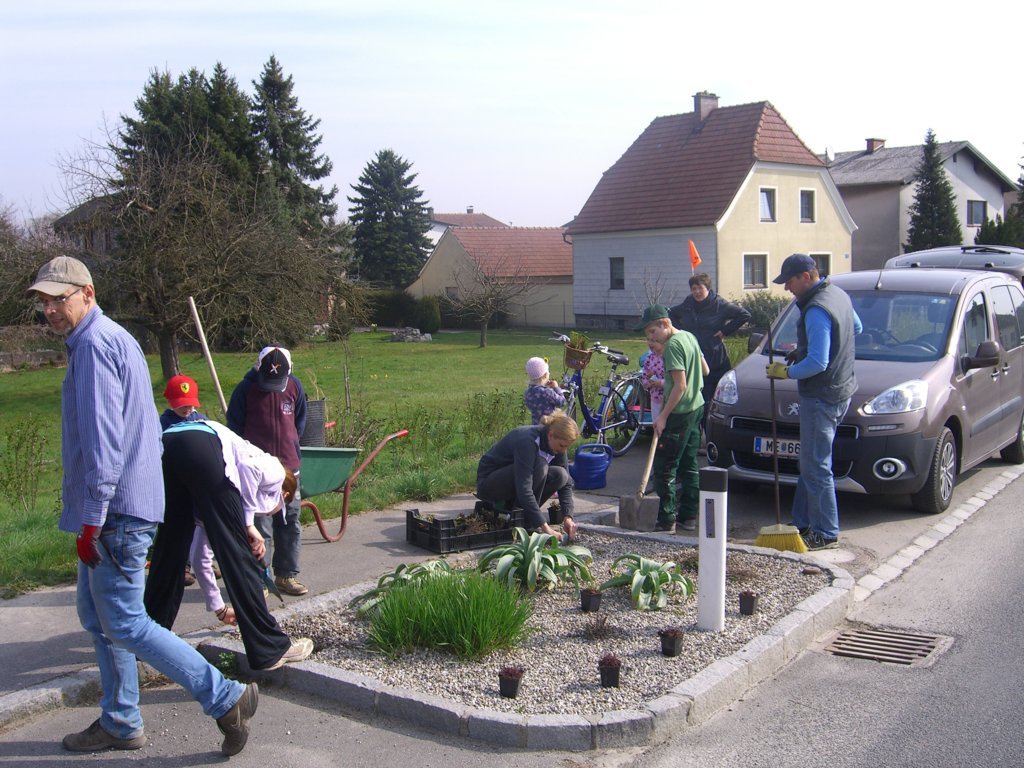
x,y
726,391
903,398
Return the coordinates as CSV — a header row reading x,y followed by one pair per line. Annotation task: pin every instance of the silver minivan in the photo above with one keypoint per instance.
x,y
940,375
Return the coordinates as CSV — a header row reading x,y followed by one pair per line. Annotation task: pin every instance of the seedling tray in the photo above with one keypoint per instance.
x,y
450,534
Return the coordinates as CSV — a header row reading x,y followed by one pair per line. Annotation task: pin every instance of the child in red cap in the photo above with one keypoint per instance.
x,y
182,395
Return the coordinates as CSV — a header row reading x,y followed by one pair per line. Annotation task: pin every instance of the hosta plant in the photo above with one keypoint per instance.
x,y
649,581
537,561
403,574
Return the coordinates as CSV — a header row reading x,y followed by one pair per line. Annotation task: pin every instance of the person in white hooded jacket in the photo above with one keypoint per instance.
x,y
216,479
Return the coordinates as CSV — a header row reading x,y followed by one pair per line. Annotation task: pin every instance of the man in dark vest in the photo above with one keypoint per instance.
x,y
268,408
822,364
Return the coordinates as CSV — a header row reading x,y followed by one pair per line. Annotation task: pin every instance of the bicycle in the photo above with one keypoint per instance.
x,y
618,418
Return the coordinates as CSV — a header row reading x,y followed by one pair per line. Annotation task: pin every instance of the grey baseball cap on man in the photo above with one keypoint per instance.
x,y
59,274
652,313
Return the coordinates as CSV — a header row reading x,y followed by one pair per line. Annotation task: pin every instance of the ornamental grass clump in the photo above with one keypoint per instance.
x,y
466,613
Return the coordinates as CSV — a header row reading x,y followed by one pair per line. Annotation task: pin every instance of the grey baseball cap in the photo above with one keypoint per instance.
x,y
59,274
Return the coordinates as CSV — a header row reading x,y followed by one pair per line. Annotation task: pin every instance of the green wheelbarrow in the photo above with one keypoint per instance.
x,y
330,469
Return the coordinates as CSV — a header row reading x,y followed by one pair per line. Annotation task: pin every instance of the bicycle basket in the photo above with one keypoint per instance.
x,y
577,359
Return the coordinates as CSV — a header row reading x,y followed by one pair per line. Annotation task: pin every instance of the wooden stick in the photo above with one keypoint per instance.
x,y
208,356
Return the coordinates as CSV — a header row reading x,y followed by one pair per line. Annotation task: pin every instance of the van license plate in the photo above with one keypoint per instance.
x,y
787,448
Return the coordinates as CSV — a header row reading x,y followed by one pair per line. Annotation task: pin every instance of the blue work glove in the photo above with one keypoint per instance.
x,y
777,371
88,545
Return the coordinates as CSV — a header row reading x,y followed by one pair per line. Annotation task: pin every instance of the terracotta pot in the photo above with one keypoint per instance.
x,y
590,600
508,687
609,676
748,604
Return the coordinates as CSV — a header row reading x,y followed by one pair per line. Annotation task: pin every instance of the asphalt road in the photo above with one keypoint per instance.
x,y
964,709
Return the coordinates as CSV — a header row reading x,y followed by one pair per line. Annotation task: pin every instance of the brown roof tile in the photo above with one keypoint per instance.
x,y
541,251
680,174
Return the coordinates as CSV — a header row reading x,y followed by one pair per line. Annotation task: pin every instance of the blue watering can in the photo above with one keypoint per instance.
x,y
590,467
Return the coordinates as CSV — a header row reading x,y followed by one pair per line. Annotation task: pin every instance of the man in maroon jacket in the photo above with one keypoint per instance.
x,y
268,408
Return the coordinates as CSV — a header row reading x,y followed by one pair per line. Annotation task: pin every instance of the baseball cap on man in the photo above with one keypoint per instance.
x,y
182,390
59,274
652,313
794,265
272,368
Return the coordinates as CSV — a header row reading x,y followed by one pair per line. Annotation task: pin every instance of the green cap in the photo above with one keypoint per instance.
x,y
652,313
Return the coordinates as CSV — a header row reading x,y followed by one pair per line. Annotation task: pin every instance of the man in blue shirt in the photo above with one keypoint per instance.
x,y
113,499
822,364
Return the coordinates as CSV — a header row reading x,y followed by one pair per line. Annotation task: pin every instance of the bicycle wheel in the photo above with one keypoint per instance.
x,y
619,424
638,399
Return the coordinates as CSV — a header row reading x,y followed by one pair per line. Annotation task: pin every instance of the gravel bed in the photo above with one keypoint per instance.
x,y
561,655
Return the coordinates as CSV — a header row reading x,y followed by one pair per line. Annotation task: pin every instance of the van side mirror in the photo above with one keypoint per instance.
x,y
986,356
753,340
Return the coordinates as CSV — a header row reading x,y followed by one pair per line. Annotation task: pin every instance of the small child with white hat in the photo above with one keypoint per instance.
x,y
543,395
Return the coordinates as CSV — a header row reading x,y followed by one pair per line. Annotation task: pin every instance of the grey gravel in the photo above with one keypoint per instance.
x,y
560,660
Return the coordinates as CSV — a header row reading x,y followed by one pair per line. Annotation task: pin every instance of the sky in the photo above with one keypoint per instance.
x,y
513,107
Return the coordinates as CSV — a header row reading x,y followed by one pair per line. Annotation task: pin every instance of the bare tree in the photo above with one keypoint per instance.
x,y
657,289
24,247
483,293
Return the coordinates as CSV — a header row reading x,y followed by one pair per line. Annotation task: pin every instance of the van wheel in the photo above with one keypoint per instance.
x,y
937,492
1014,452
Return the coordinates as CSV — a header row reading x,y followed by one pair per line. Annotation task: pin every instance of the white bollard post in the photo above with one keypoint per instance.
x,y
714,495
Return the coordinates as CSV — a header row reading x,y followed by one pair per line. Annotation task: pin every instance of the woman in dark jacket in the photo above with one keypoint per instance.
x,y
710,318
527,467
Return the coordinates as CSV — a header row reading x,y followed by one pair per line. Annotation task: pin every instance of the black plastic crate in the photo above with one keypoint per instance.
x,y
448,534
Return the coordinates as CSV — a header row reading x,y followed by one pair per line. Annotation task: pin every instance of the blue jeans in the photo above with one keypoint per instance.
x,y
814,504
283,534
110,608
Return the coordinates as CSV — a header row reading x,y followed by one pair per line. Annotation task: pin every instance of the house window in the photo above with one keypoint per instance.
x,y
755,268
977,212
617,273
823,262
767,204
807,205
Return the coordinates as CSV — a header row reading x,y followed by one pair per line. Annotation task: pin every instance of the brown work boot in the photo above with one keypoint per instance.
x,y
95,738
290,585
300,650
234,723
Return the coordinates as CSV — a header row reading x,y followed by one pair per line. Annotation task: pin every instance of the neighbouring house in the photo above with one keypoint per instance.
x,y
540,256
442,222
89,226
735,180
877,185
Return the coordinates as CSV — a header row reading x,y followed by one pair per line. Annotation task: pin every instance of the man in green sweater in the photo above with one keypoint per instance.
x,y
677,428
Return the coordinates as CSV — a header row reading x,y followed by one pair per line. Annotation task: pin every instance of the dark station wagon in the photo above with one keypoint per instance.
x,y
940,388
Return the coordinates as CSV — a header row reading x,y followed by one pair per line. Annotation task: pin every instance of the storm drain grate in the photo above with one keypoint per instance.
x,y
891,646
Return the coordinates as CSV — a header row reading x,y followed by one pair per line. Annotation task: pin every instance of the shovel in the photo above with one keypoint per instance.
x,y
636,512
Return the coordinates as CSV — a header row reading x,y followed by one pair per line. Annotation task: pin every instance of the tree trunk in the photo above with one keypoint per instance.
x,y
483,332
168,341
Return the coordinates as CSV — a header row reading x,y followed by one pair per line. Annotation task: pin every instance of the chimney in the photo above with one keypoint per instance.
x,y
703,104
469,209
874,145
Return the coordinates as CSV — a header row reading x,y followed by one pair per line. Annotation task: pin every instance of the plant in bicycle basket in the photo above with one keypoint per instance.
x,y
578,340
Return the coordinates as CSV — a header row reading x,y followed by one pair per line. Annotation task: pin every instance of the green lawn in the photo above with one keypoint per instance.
x,y
454,398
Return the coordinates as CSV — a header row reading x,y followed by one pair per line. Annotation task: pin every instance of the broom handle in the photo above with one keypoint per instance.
x,y
775,437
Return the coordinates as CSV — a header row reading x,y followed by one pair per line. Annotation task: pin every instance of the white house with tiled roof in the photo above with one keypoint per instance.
x,y
540,255
737,181
877,185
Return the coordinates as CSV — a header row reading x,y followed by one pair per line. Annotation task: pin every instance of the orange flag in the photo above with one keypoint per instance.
x,y
694,256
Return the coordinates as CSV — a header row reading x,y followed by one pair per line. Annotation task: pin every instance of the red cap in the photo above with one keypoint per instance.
x,y
182,390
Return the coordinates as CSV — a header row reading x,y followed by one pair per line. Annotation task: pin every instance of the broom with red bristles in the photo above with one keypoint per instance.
x,y
785,538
